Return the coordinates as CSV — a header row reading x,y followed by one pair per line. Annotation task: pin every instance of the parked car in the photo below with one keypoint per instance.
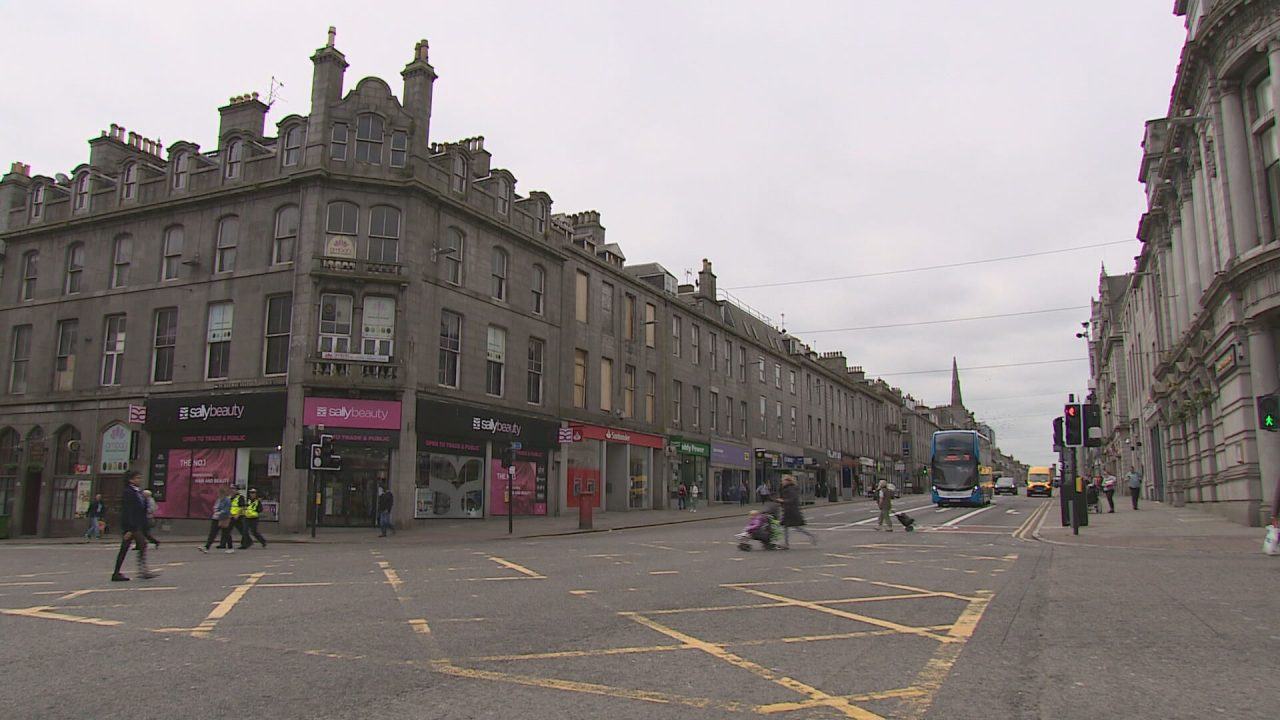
x,y
1005,486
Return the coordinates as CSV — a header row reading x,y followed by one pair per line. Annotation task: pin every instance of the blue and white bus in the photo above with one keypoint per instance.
x,y
957,458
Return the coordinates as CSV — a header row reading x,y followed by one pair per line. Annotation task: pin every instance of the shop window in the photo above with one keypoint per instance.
x,y
218,341
378,327
606,384
338,142
74,270
286,235
292,146
276,349
369,138
62,505
335,323
580,378
450,484
495,361
19,356
121,254
113,337
64,363
384,234
228,239
164,345
537,356
171,253
450,348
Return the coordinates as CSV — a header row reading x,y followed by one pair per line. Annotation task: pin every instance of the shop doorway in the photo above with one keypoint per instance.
x,y
349,497
30,501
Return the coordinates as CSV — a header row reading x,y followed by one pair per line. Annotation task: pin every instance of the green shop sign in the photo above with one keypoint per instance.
x,y
687,447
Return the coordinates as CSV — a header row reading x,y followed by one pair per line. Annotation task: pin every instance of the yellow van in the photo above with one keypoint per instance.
x,y
1039,482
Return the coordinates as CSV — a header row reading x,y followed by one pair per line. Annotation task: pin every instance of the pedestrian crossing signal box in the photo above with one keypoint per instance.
x,y
1269,412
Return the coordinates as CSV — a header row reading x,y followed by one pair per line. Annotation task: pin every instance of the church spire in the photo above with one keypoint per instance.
x,y
956,400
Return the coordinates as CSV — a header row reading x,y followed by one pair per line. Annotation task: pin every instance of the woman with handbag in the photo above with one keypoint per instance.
x,y
220,522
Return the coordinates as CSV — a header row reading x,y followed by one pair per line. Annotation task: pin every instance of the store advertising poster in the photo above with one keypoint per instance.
x,y
456,485
524,489
193,480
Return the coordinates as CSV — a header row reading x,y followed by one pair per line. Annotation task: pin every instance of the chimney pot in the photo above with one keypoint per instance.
x,y
333,32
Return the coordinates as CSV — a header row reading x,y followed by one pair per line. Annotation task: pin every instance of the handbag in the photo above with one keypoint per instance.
x,y
1271,544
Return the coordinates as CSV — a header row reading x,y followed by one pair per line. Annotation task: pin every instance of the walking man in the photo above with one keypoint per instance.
x,y
237,517
1109,489
1134,479
884,499
792,517
133,527
96,513
742,492
249,532
385,502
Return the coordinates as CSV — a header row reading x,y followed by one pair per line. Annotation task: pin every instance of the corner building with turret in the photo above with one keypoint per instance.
x,y
198,315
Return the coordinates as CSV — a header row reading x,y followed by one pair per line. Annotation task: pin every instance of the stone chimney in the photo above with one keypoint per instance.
x,y
328,67
707,281
13,191
244,113
419,79
857,374
834,361
586,226
480,158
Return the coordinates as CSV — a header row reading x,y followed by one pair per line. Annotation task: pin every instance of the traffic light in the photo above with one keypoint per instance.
x,y
322,457
1073,425
1057,434
1092,425
1269,412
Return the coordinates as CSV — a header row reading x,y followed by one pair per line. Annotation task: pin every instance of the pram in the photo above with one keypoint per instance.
x,y
763,528
1091,497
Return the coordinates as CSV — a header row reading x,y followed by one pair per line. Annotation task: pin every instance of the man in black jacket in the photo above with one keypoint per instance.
x,y
96,514
385,502
133,527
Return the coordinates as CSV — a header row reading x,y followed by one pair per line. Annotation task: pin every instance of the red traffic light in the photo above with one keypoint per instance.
x,y
1071,410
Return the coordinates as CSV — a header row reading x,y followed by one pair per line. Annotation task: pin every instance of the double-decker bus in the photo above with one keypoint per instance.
x,y
957,461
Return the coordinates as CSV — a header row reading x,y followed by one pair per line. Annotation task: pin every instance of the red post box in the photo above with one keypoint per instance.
x,y
585,492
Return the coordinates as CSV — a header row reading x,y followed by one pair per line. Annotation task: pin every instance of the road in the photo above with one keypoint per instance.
x,y
963,618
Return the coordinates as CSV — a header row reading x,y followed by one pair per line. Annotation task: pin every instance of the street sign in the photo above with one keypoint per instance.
x,y
517,445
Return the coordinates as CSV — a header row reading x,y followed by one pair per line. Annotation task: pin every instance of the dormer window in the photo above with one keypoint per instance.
x,y
502,189
399,148
369,138
540,222
180,171
235,158
37,201
458,180
81,192
129,182
292,146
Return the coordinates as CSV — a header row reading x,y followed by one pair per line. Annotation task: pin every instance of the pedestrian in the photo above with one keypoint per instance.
x,y
1109,490
220,522
237,517
792,517
884,499
763,493
97,514
1134,481
252,509
385,502
151,517
682,492
742,492
694,492
133,527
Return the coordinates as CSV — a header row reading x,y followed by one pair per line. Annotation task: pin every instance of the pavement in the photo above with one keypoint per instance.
x,y
1152,526
968,617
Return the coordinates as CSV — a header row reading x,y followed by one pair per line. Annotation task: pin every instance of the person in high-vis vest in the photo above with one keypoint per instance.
x,y
252,510
237,516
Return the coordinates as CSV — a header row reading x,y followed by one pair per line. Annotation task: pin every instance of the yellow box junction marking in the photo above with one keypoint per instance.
x,y
904,629
221,609
930,679
45,612
517,567
420,626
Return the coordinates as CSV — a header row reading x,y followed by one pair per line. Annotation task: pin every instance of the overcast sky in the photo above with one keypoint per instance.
x,y
783,141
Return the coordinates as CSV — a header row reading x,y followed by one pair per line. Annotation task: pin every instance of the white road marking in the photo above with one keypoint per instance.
x,y
876,517
953,521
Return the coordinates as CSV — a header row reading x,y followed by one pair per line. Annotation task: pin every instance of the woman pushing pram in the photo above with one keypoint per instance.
x,y
762,527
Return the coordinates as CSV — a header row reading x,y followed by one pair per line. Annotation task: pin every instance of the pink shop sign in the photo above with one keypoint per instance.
x,y
346,413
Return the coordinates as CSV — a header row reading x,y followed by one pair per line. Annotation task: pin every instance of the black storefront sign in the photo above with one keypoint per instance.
x,y
211,420
465,421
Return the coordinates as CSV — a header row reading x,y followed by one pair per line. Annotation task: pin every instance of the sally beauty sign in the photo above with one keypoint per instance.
x,y
347,413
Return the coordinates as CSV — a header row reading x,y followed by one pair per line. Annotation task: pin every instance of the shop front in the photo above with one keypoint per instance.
x,y
772,466
731,473
621,462
850,487
201,444
466,457
693,459
365,434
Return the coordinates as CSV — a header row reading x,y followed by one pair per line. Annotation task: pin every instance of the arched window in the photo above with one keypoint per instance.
x,y
129,182
37,201
498,274
539,289
454,245
286,235
384,234
180,171
68,452
458,181
502,189
228,239
171,260
74,269
30,273
82,192
343,218
121,254
235,158
292,146
369,138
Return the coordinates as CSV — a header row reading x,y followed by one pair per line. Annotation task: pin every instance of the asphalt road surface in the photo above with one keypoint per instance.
x,y
968,617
